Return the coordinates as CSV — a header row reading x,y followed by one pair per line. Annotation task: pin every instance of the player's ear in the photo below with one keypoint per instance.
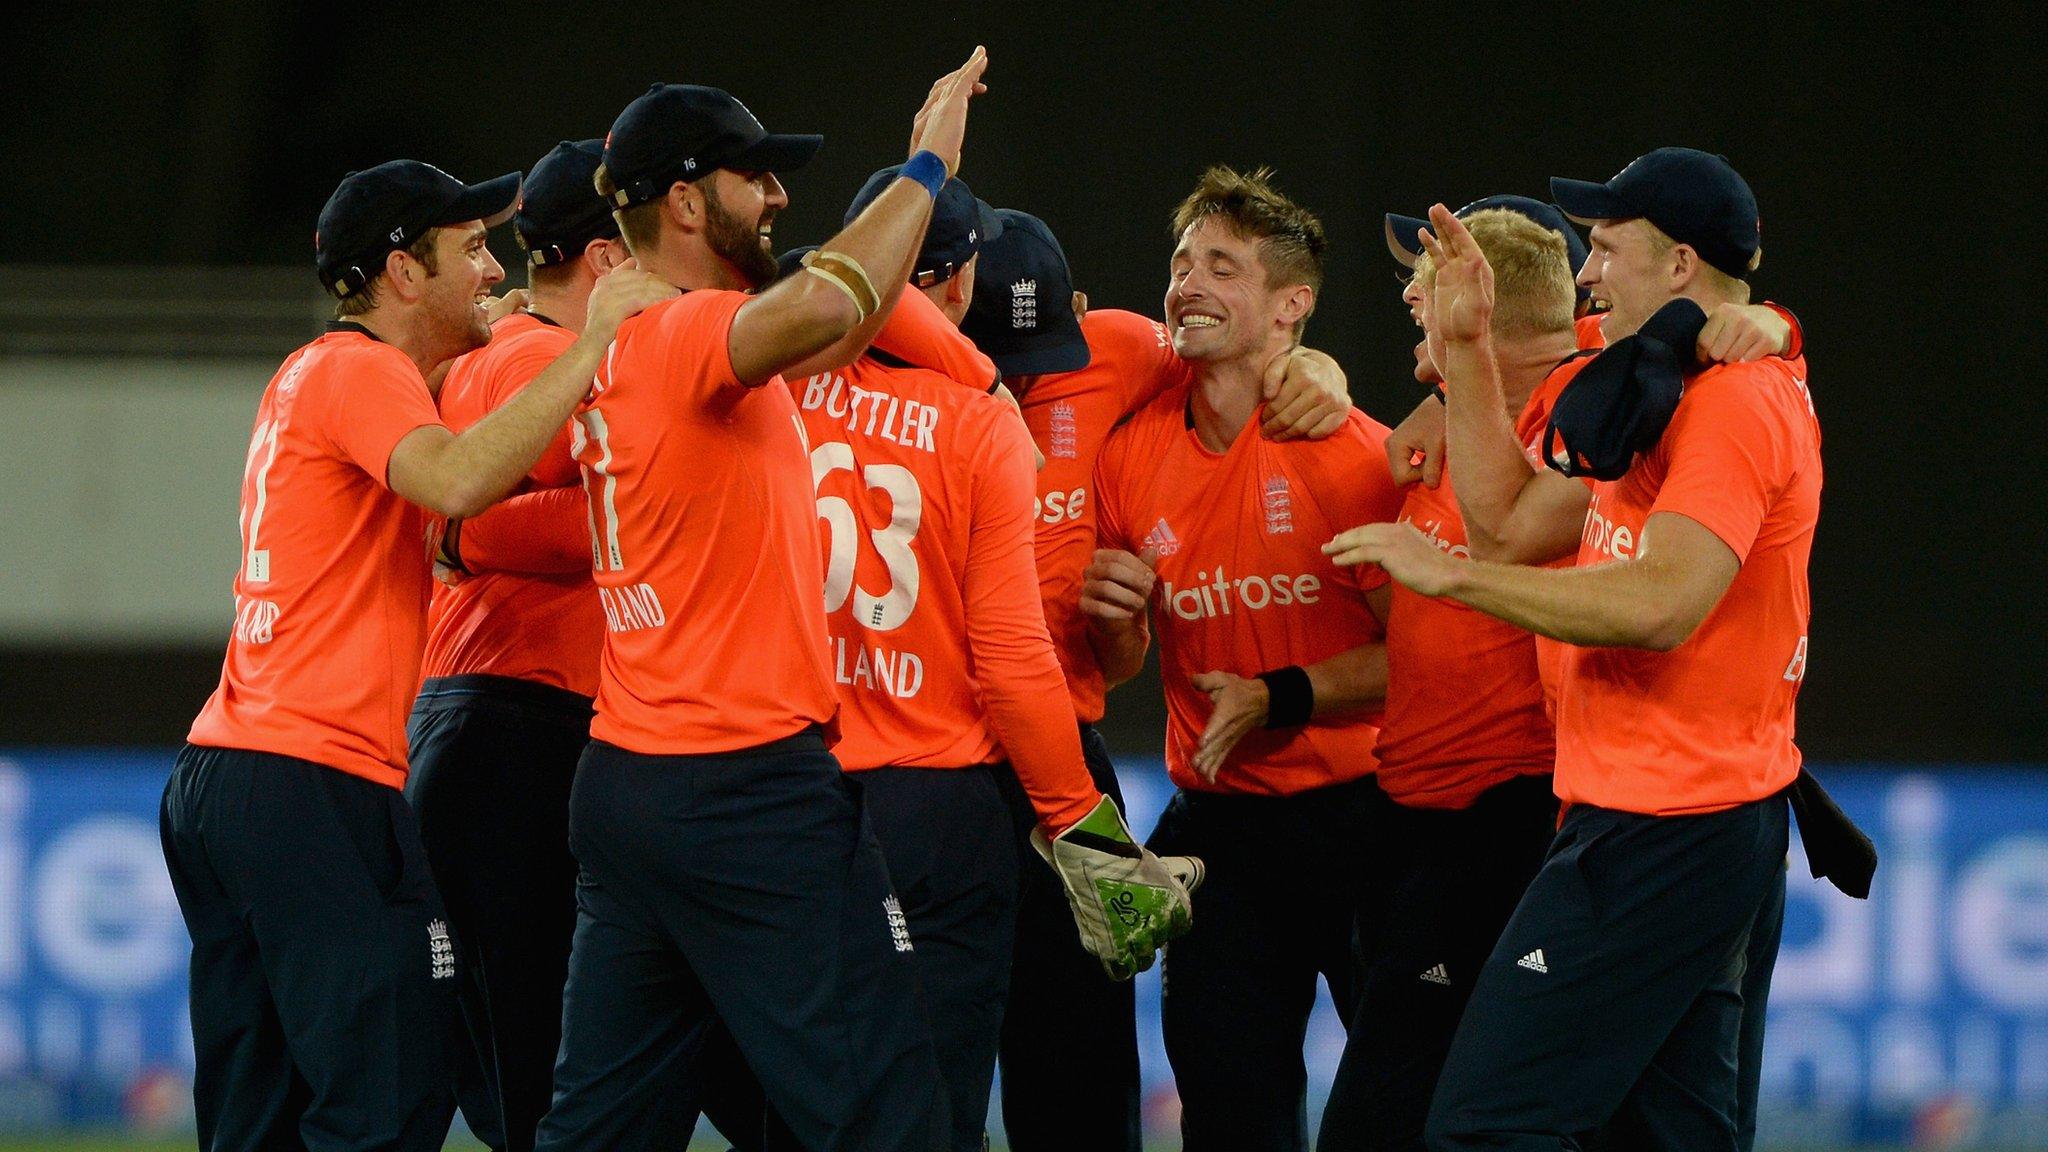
x,y
1685,265
684,205
601,256
1080,305
1296,303
402,268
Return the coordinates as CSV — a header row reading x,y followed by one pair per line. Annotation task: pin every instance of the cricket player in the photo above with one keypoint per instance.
x,y
1734,332
727,863
943,662
323,968
1070,1045
1271,658
1466,746
1615,996
504,709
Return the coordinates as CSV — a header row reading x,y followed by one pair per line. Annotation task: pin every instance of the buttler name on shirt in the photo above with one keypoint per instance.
x,y
906,422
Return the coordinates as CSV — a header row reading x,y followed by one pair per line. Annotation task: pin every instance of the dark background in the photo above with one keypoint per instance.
x,y
1896,156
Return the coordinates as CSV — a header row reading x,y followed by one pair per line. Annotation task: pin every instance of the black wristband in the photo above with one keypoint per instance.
x,y
1437,390
1291,697
451,546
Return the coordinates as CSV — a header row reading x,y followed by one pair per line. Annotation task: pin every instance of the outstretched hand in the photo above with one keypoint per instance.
x,y
1462,293
941,124
1238,705
622,292
1405,553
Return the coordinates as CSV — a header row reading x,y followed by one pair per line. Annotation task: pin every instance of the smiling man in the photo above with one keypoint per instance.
x,y
728,869
322,965
1617,993
1271,659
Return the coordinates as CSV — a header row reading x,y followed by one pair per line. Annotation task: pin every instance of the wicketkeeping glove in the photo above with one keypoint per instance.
x,y
1126,901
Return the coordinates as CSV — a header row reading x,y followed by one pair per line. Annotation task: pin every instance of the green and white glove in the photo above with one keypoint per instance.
x,y
1126,901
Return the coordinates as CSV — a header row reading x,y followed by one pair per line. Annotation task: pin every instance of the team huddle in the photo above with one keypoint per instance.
x,y
670,690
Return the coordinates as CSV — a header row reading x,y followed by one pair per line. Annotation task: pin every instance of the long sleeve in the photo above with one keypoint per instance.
x,y
1015,665
540,533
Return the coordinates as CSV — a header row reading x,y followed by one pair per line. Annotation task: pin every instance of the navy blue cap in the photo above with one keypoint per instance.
x,y
687,132
379,210
559,209
960,225
1022,315
1404,237
1619,405
1694,197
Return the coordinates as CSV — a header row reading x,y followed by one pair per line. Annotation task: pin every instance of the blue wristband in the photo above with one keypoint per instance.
x,y
927,169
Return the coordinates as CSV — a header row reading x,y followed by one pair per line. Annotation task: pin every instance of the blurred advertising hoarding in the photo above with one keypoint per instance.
x,y
1917,1018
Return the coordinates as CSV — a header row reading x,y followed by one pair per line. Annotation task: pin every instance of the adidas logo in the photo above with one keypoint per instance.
x,y
1533,962
1436,975
1162,538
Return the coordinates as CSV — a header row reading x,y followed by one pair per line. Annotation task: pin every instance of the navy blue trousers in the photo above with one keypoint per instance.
x,y
323,973
492,762
1615,998
1453,879
1293,889
744,890
1070,1034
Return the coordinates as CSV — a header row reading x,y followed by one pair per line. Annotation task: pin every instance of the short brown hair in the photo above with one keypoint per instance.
x,y
640,224
363,299
1533,293
1290,238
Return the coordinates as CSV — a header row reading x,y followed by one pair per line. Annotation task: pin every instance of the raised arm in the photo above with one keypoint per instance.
x,y
461,475
1514,513
846,292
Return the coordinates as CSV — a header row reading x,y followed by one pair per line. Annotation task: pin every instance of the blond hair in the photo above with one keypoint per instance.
x,y
1532,273
1290,238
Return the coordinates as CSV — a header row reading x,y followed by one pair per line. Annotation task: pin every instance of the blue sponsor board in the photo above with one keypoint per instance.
x,y
93,951
1917,1018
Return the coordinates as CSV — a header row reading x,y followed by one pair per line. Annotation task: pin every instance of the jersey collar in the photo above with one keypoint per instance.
x,y
352,326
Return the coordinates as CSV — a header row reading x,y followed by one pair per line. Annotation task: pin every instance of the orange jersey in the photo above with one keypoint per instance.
x,y
1587,329
331,594
1070,414
1709,724
1243,584
1467,704
917,332
706,552
1529,429
547,629
937,642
